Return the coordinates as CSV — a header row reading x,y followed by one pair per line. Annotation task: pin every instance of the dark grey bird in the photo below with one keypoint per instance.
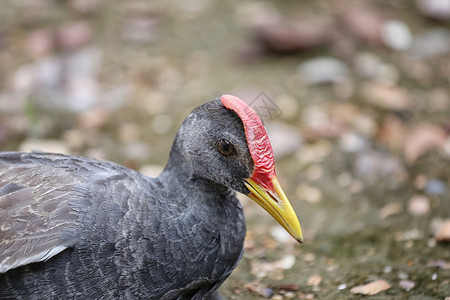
x,y
76,228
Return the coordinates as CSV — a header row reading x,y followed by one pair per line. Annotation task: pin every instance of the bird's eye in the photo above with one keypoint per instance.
x,y
226,148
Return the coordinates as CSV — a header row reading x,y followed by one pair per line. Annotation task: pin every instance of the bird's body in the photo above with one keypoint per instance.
x,y
112,231
75,228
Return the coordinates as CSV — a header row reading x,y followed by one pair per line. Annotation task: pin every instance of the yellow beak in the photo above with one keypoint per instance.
x,y
276,204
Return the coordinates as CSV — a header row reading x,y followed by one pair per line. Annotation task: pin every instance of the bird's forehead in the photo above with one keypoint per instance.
x,y
257,139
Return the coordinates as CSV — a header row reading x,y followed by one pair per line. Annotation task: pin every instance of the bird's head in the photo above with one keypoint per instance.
x,y
225,141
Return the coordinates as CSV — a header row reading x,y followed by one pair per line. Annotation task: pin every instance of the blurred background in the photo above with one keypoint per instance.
x,y
355,96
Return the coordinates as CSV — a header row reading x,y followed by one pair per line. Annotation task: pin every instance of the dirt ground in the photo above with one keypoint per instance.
x,y
355,96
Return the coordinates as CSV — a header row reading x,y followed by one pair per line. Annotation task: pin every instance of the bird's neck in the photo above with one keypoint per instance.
x,y
177,161
180,171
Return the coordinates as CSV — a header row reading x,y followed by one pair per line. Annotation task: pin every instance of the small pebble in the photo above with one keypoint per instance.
x,y
431,243
308,257
314,280
432,43
364,22
74,35
435,187
372,166
443,232
439,264
40,42
352,142
287,262
266,292
342,286
407,285
403,275
314,172
396,35
279,234
387,96
285,139
437,9
418,205
323,70
309,193
289,295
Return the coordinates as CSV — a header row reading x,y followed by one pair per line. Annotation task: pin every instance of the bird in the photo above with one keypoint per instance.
x,y
79,228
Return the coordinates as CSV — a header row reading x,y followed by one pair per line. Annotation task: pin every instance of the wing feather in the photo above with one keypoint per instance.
x,y
40,203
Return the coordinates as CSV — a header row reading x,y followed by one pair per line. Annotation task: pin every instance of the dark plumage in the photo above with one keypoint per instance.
x,y
75,228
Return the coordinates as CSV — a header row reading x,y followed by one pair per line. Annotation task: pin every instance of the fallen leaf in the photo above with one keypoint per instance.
x,y
390,209
289,287
371,288
259,289
260,269
293,36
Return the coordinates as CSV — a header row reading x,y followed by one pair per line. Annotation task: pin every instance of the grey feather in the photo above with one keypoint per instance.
x,y
74,228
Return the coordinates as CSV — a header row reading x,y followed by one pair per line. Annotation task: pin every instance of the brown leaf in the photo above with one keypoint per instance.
x,y
259,289
289,287
390,209
292,36
371,288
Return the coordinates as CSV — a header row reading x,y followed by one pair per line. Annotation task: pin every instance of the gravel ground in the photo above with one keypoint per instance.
x,y
355,96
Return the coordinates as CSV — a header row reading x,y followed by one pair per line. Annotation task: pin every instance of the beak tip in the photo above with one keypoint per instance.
x,y
300,241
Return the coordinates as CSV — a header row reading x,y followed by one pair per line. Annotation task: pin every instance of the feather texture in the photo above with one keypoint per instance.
x,y
74,228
